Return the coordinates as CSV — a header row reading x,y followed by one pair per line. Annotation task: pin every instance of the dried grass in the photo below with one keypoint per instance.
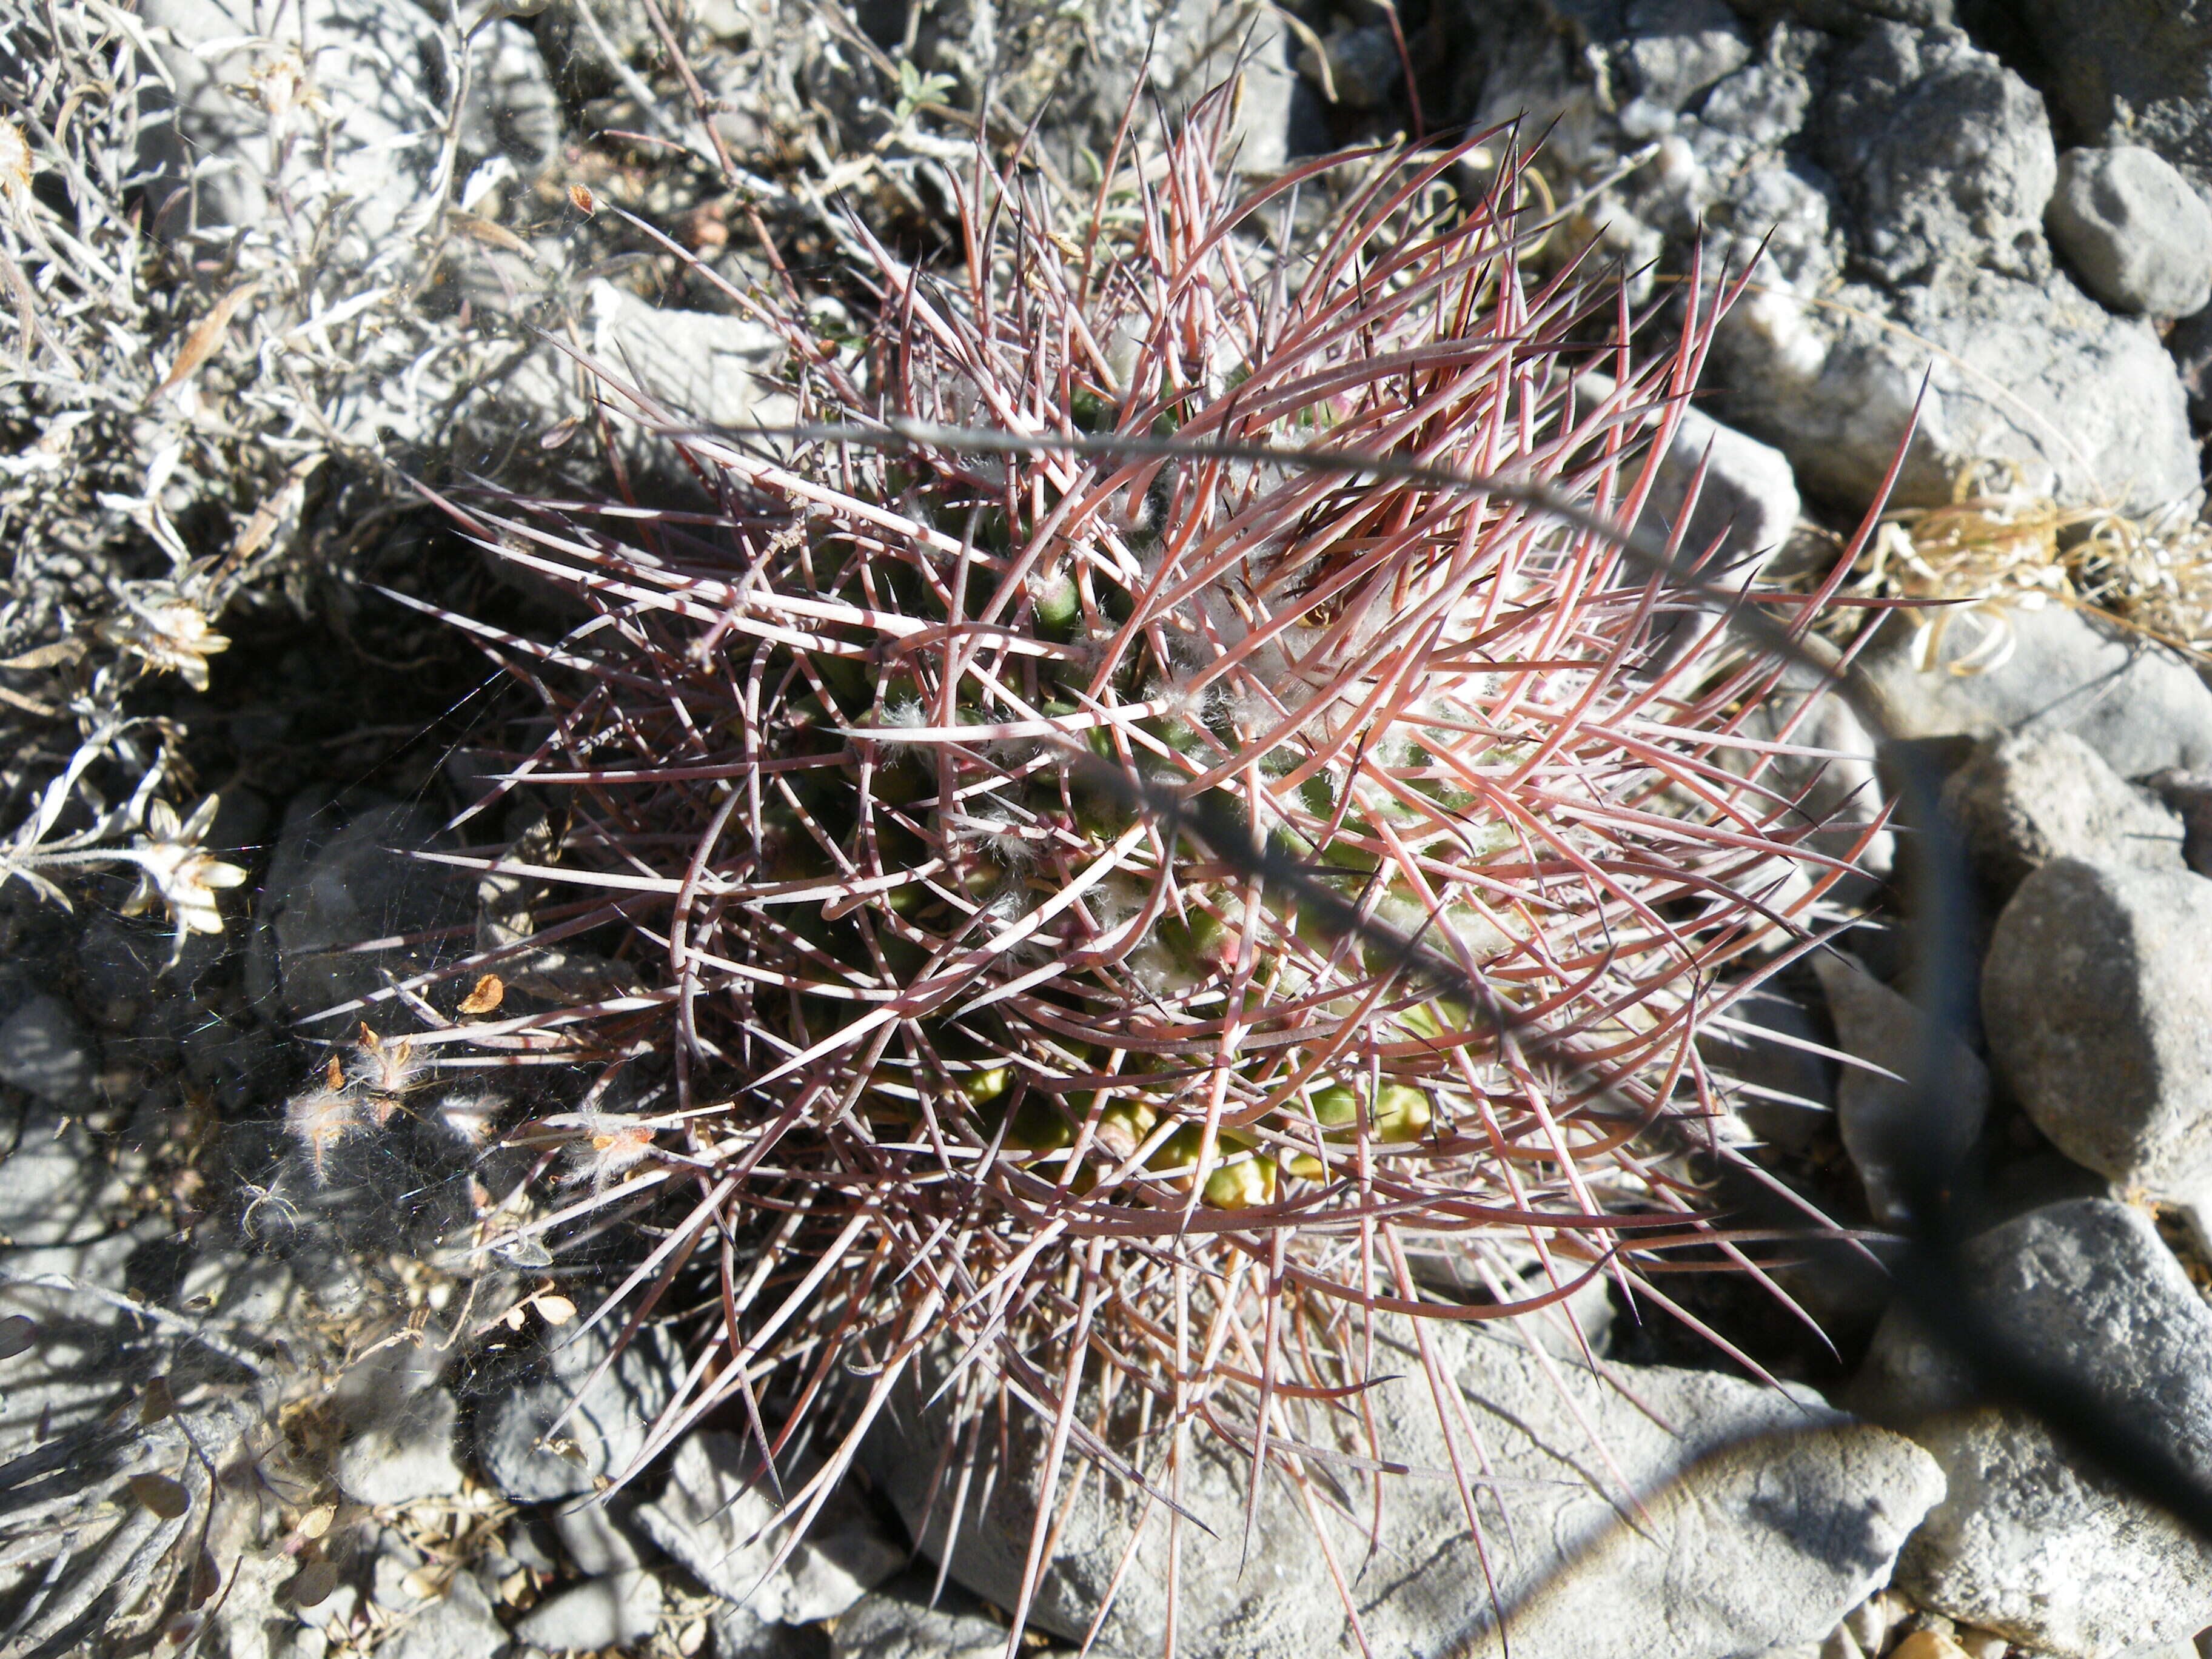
x,y
1996,549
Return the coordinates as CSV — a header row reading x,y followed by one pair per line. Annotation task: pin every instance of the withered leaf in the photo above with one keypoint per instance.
x,y
317,1522
156,1403
486,997
489,234
206,336
207,1578
582,200
312,1585
164,1496
17,1332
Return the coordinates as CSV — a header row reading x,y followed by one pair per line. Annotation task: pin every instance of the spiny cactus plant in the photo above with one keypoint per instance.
x,y
945,1036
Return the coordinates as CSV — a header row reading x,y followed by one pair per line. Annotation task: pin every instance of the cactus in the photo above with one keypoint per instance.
x,y
945,1037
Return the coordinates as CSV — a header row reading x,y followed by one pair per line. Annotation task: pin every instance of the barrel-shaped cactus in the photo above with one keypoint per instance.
x,y
938,1026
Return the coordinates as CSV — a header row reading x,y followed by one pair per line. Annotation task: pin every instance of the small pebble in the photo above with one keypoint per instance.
x,y
1928,1644
1868,1624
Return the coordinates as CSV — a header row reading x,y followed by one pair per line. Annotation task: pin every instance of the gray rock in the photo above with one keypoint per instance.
x,y
1364,68
45,1052
581,66
2097,995
1773,1055
2188,795
895,1627
1943,153
2025,1542
600,1612
1837,789
2141,707
2140,237
1761,1520
599,1543
255,1292
740,1633
1747,505
460,1624
1883,1121
2023,801
410,1458
340,877
692,366
2190,341
718,1523
1076,66
1677,48
603,1436
2130,71
54,1186
378,69
2087,405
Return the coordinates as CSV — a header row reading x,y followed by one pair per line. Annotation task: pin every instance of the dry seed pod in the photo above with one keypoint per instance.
x,y
159,1493
312,1585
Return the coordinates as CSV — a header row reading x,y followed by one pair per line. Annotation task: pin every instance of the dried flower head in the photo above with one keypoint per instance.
x,y
607,1147
167,629
319,1119
177,872
469,1118
386,1072
14,170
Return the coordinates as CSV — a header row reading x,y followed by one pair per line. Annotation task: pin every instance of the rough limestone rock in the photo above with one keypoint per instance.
x,y
2023,801
693,366
716,1521
460,1625
606,1430
1835,787
2088,405
1677,48
2135,230
1747,504
599,1612
341,878
2131,71
2024,1541
2142,708
1762,1521
408,1458
2097,995
255,116
45,1052
893,1625
1882,1117
1943,153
